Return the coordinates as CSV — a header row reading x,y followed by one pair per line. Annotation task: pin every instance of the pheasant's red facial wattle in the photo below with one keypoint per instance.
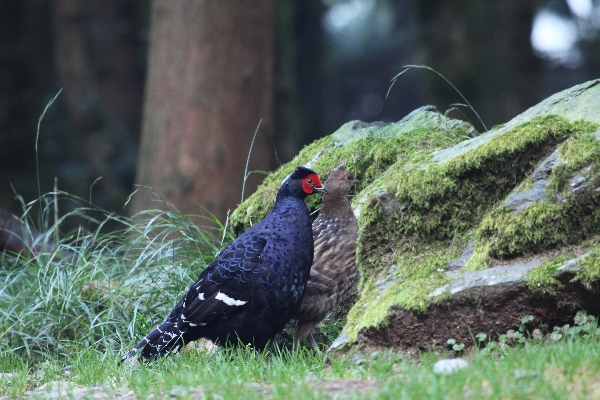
x,y
310,182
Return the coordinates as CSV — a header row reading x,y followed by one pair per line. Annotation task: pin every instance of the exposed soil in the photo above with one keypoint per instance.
x,y
490,309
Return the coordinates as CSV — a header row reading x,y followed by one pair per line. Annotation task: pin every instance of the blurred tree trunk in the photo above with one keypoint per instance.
x,y
95,50
210,81
484,49
25,81
299,102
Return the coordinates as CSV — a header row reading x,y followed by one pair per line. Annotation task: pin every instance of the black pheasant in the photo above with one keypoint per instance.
x,y
254,286
334,272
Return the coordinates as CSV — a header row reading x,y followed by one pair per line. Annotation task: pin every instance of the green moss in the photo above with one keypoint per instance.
x,y
416,275
367,157
417,205
562,220
448,197
526,185
581,150
590,266
542,277
480,259
441,201
540,226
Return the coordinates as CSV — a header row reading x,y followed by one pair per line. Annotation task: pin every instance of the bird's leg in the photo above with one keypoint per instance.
x,y
312,341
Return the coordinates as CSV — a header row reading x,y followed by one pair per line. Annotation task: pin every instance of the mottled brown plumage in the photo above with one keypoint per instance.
x,y
334,272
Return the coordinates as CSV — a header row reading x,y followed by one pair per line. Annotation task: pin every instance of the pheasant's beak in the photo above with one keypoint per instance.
x,y
321,189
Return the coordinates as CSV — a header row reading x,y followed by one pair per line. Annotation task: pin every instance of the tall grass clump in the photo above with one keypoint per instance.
x,y
94,288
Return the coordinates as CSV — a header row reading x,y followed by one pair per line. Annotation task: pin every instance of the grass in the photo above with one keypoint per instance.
x,y
99,289
568,368
467,105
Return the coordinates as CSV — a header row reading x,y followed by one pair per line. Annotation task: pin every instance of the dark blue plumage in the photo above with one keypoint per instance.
x,y
254,286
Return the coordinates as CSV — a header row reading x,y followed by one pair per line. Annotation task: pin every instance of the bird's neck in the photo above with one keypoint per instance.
x,y
336,207
286,201
289,193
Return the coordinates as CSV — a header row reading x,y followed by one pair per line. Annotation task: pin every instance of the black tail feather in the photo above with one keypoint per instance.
x,y
164,339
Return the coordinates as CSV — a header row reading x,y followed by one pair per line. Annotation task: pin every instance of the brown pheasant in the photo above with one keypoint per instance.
x,y
334,272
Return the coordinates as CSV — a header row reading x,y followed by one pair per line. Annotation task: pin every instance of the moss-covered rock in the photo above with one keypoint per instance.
x,y
368,150
559,207
434,198
490,301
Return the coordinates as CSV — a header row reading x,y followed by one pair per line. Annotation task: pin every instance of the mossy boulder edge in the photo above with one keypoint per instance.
x,y
438,205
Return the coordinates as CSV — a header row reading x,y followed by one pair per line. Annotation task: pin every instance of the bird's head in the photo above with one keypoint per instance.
x,y
340,181
306,179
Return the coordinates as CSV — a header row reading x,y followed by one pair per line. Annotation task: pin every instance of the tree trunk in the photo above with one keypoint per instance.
x,y
95,47
209,84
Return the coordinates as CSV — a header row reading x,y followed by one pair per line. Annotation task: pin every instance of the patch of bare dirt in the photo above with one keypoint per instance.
x,y
342,389
489,309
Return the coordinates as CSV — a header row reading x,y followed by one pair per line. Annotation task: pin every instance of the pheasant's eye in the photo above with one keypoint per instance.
x,y
309,181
